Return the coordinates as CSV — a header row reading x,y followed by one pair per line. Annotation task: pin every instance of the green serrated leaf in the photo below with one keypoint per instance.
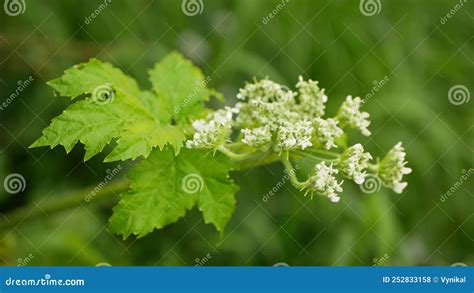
x,y
181,86
84,78
115,108
165,186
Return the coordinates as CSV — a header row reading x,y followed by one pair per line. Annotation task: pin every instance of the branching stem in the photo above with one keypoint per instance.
x,y
291,171
236,156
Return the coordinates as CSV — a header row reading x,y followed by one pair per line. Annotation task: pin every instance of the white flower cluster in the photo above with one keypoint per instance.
x,y
257,136
312,99
269,112
213,131
349,115
392,168
272,117
324,182
327,131
295,135
353,163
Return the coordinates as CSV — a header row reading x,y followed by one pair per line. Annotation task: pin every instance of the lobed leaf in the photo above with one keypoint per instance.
x,y
165,186
114,108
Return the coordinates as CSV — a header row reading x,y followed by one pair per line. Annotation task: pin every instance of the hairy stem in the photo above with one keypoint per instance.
x,y
60,203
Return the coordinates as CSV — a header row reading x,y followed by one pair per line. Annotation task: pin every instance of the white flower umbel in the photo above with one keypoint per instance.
x,y
311,98
324,182
326,131
265,103
297,135
392,168
214,131
349,115
256,137
353,163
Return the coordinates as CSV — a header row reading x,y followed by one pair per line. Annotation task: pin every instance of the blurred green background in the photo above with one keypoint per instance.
x,y
407,43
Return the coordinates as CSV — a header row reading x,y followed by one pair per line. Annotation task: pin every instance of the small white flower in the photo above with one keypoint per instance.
x,y
297,135
311,99
324,182
212,132
326,131
353,163
256,137
349,115
392,168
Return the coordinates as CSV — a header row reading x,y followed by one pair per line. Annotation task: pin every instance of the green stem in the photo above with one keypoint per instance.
x,y
235,156
324,152
373,167
60,203
291,172
234,144
311,156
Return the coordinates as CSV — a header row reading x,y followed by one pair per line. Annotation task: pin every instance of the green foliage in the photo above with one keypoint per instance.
x,y
114,108
165,186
